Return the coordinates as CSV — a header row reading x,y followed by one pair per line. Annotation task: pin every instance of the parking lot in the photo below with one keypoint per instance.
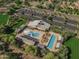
x,y
58,21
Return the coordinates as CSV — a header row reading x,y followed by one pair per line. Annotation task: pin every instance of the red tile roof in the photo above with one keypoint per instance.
x,y
3,9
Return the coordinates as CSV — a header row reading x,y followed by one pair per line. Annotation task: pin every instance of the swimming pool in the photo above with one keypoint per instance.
x,y
51,42
33,34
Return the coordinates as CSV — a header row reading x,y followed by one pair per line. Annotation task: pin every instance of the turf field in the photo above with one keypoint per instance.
x,y
3,19
73,44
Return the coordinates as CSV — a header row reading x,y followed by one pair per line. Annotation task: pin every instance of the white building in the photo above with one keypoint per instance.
x,y
39,24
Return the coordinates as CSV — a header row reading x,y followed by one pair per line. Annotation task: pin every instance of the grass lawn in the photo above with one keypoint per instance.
x,y
3,19
73,44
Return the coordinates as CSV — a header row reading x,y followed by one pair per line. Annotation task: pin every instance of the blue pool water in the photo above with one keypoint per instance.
x,y
33,34
51,42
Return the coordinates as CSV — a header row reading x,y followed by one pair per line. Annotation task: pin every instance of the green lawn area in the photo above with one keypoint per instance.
x,y
3,19
73,44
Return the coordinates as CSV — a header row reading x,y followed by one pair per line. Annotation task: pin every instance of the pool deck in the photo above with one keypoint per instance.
x,y
41,35
58,37
45,43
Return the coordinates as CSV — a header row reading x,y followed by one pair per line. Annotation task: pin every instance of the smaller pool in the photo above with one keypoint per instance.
x,y
51,41
33,34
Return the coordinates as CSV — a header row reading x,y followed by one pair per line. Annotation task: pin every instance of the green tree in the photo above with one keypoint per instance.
x,y
14,56
50,18
63,53
11,11
18,2
27,3
31,49
49,56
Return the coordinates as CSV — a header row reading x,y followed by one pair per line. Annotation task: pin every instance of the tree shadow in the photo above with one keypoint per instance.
x,y
69,53
6,48
15,55
19,42
71,36
39,52
8,30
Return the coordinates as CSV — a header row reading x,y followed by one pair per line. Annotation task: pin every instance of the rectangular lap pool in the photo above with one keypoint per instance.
x,y
51,42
